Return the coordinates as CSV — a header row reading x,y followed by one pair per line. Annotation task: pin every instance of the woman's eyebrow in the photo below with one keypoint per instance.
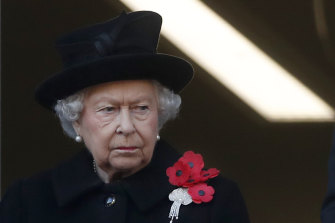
x,y
114,100
143,99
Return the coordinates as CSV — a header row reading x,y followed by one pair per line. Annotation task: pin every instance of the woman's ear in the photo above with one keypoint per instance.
x,y
76,127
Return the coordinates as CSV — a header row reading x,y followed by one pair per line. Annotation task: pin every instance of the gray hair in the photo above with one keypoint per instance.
x,y
68,110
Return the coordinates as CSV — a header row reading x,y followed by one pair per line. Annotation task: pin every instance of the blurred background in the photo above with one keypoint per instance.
x,y
281,167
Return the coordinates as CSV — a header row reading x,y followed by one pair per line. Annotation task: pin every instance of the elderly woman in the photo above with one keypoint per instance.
x,y
114,95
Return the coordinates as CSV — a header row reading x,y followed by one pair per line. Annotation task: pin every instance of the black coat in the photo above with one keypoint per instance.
x,y
328,208
72,192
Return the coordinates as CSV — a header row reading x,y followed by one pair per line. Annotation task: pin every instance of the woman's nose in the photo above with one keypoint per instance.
x,y
126,125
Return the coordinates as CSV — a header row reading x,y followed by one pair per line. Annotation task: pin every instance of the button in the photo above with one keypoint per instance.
x,y
110,200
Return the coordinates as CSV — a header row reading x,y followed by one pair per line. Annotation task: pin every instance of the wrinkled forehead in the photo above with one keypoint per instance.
x,y
125,90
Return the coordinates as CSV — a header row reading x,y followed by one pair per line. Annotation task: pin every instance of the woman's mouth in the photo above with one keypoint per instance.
x,y
127,148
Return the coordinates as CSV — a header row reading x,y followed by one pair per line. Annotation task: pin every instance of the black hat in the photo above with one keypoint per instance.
x,y
123,48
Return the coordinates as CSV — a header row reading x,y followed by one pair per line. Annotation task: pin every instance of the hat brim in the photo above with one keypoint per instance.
x,y
172,72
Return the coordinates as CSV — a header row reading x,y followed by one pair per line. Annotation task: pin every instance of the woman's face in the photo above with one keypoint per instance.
x,y
119,125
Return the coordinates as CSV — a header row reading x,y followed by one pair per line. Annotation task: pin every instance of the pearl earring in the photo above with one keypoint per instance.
x,y
78,138
158,137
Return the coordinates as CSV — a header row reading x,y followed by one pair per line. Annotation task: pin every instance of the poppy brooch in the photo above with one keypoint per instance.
x,y
188,174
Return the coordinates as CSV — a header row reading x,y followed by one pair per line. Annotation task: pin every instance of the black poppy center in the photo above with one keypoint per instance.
x,y
206,174
179,173
191,164
201,192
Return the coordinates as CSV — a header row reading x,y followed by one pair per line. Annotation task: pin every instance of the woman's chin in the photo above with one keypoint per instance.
x,y
128,164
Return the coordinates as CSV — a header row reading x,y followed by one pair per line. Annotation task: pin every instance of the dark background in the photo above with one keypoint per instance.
x,y
281,168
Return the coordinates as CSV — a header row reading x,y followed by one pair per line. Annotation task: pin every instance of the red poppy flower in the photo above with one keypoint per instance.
x,y
179,173
193,179
195,162
201,193
208,174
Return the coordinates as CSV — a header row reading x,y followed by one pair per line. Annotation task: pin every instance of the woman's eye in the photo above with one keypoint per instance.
x,y
107,109
141,108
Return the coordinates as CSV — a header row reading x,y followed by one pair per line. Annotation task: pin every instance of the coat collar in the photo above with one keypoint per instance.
x,y
145,188
74,178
